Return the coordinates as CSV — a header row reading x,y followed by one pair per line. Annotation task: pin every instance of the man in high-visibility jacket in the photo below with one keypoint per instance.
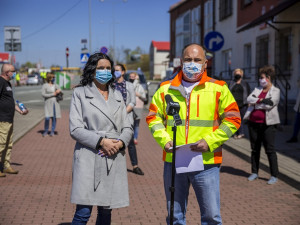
x,y
210,116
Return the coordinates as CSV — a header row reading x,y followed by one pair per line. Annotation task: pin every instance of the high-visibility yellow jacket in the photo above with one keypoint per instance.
x,y
210,112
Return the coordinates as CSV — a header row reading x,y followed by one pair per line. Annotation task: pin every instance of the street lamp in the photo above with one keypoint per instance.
x,y
113,15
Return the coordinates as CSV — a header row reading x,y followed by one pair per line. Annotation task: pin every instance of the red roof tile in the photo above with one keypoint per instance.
x,y
161,45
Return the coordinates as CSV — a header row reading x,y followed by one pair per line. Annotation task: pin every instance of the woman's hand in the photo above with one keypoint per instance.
x,y
110,147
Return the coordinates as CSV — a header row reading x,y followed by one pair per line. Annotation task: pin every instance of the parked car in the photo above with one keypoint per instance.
x,y
143,81
34,79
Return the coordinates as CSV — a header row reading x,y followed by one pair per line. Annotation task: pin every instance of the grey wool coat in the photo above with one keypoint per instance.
x,y
50,100
98,180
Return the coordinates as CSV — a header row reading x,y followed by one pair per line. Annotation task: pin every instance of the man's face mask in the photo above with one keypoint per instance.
x,y
191,69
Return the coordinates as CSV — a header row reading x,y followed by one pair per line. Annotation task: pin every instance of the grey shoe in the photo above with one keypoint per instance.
x,y
252,177
272,180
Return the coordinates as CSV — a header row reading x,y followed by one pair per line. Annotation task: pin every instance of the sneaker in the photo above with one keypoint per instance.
x,y
292,140
138,171
45,134
2,174
252,177
235,136
52,134
240,136
272,180
10,170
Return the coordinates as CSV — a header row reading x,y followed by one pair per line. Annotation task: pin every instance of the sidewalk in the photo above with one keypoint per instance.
x,y
40,193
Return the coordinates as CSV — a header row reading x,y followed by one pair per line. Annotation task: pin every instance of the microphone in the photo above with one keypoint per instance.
x,y
173,109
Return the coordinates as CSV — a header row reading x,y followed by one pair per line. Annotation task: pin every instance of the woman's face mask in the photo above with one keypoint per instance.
x,y
103,76
263,82
118,74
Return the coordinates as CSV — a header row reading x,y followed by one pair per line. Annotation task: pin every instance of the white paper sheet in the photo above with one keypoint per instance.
x,y
187,160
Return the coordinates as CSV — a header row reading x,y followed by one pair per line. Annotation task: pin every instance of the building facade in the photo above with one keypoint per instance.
x,y
159,61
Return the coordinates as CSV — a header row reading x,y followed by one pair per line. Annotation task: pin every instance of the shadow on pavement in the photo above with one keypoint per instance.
x,y
234,171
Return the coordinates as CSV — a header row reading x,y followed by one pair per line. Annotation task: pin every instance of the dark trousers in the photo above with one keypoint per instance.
x,y
241,130
263,134
132,152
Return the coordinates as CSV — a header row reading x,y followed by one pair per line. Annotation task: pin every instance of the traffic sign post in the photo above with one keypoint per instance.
x,y
12,40
214,41
67,56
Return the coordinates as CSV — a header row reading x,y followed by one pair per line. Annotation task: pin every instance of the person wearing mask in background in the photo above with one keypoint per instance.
x,y
140,98
52,107
127,90
100,125
262,122
18,78
294,138
7,112
240,90
210,116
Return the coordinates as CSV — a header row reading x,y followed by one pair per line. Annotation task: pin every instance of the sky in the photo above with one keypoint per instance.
x,y
48,27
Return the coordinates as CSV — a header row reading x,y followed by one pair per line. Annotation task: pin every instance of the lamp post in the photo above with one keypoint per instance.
x,y
113,15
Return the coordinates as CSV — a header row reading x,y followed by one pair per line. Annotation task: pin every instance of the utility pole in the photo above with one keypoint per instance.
x,y
67,56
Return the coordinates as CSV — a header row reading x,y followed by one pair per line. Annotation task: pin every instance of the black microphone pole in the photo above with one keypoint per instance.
x,y
173,110
172,188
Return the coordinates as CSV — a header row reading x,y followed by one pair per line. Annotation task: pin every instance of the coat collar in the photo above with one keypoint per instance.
x,y
97,100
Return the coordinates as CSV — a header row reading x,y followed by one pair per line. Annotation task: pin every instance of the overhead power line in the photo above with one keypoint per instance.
x,y
52,22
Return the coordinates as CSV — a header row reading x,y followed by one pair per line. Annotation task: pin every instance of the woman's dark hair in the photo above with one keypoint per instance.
x,y
90,69
122,67
269,71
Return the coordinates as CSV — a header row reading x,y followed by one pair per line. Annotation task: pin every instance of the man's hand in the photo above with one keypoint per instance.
x,y
168,146
24,112
200,146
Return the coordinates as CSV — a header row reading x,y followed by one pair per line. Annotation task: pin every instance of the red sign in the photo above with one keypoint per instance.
x,y
4,57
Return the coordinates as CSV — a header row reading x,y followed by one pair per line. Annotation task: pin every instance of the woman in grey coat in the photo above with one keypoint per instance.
x,y
52,108
99,123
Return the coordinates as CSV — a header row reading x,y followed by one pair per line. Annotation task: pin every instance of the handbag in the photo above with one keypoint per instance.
x,y
59,97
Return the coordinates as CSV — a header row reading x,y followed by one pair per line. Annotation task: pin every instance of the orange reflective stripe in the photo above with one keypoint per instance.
x,y
236,120
165,82
152,113
216,115
218,157
164,155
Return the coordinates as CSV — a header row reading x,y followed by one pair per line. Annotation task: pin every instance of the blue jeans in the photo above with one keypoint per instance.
x,y
47,121
83,213
136,127
206,185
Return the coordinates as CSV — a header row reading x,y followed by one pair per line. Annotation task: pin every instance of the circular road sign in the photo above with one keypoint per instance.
x,y
214,41
104,50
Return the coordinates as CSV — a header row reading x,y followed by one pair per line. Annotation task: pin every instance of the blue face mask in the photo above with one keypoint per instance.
x,y
53,80
118,74
14,75
103,76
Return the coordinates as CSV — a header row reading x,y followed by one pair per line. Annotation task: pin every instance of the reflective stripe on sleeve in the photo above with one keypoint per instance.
x,y
226,129
156,127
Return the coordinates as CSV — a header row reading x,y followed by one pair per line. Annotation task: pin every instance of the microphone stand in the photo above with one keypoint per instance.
x,y
172,187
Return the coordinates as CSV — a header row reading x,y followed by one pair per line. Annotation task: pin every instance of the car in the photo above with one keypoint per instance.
x,y
143,81
34,79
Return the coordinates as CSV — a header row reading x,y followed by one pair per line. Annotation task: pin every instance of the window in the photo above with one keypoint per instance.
x,y
226,61
284,50
208,16
225,9
247,58
262,51
196,20
187,30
